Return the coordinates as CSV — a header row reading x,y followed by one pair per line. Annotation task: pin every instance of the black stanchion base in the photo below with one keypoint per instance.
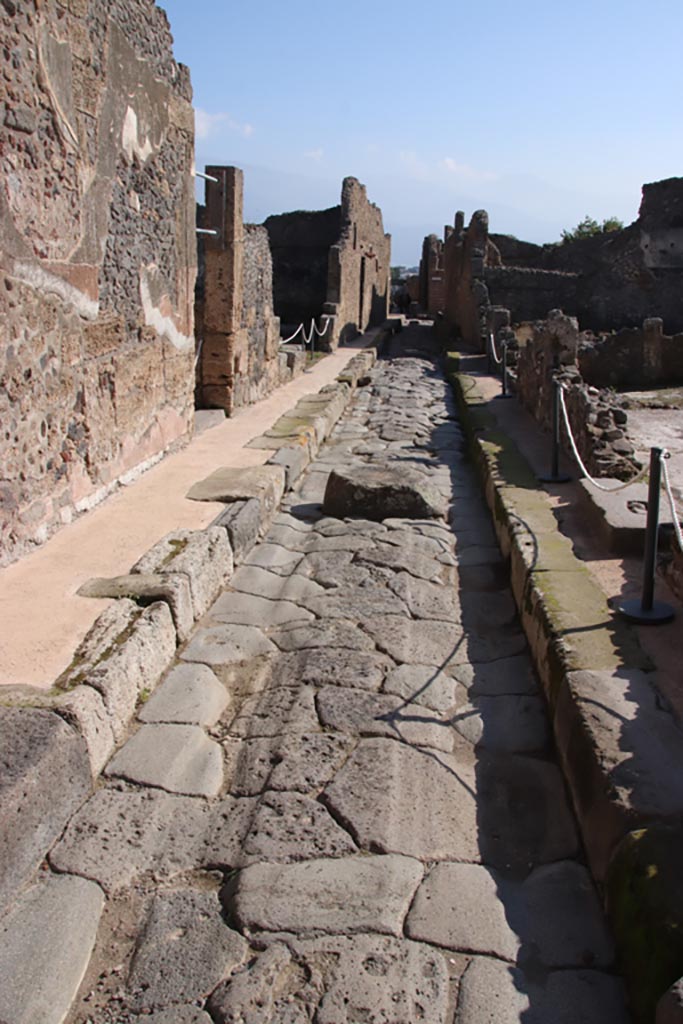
x,y
633,610
561,478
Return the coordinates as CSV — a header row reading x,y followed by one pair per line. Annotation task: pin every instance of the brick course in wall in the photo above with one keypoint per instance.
x,y
97,259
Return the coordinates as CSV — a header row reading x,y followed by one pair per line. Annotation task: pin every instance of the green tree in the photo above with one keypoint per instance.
x,y
588,227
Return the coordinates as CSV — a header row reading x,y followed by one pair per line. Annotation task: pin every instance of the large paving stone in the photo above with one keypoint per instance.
x,y
184,951
267,483
426,600
178,758
223,645
190,694
357,603
338,980
250,579
341,896
334,633
277,711
423,684
45,944
373,714
274,558
118,836
332,666
292,827
515,724
226,826
494,991
503,810
44,778
423,642
249,610
299,762
402,559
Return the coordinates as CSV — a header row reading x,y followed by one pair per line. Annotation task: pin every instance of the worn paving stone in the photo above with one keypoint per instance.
x,y
249,610
221,645
40,971
426,600
425,685
275,558
338,980
345,895
249,764
335,633
332,666
376,492
514,724
190,694
404,559
503,810
276,711
226,825
357,603
497,678
307,761
178,1015
290,827
184,951
178,758
120,835
371,714
494,991
250,579
426,642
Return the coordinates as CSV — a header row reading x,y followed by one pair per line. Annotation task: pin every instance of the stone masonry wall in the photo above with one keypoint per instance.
x,y
466,295
432,282
97,255
300,243
258,318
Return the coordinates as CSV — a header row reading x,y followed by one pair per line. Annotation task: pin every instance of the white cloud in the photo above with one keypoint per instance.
x,y
206,125
466,170
314,154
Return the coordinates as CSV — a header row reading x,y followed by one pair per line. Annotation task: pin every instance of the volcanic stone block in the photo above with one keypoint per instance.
x,y
374,493
178,758
203,556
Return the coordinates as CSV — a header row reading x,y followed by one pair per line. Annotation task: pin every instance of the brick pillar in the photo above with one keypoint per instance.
x,y
224,353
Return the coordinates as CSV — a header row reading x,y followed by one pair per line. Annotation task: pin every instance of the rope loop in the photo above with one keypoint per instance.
x,y
672,503
496,358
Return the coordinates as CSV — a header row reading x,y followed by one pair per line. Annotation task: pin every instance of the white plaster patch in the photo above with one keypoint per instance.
x,y
162,324
131,144
42,280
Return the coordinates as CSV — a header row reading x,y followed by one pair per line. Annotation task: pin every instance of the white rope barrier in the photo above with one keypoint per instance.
x,y
496,358
308,336
286,341
324,330
672,503
601,487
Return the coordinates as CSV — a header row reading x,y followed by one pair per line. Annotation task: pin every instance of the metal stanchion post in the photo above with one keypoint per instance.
x,y
647,611
489,354
555,476
505,393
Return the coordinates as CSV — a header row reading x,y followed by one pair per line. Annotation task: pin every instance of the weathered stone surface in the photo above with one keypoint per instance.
x,y
516,724
249,610
117,836
84,709
335,633
276,711
423,684
291,827
262,583
307,761
426,600
178,1015
274,558
178,758
356,603
184,951
41,971
174,588
402,559
223,645
191,695
244,521
490,990
44,777
338,980
512,675
500,810
293,460
267,483
374,714
204,557
227,824
418,643
347,895
332,666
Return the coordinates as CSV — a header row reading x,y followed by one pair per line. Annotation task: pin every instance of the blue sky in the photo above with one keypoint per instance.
x,y
538,111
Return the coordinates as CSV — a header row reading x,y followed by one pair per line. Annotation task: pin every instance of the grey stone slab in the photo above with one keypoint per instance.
x,y
307,761
45,777
244,522
249,764
40,971
356,603
338,980
249,610
425,685
261,583
426,600
494,991
333,569
284,519
288,537
293,460
374,714
223,645
227,824
190,695
332,666
184,951
267,483
424,642
120,835
174,588
204,557
290,827
274,557
516,724
461,907
340,896
276,711
503,810
402,559
503,676
178,758
178,1015
332,633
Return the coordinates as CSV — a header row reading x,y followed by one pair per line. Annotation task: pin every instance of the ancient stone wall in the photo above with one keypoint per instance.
x,y
633,358
97,252
530,293
359,272
466,295
258,318
432,278
300,244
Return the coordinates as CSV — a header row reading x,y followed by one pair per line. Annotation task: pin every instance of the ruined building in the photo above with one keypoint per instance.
x,y
97,241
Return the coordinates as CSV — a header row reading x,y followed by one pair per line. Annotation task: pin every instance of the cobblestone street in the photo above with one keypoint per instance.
x,y
342,804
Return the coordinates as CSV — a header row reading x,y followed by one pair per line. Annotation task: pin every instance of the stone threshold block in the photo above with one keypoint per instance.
x,y
204,557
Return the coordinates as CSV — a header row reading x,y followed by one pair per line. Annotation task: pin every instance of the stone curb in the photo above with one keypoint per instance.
x,y
620,749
